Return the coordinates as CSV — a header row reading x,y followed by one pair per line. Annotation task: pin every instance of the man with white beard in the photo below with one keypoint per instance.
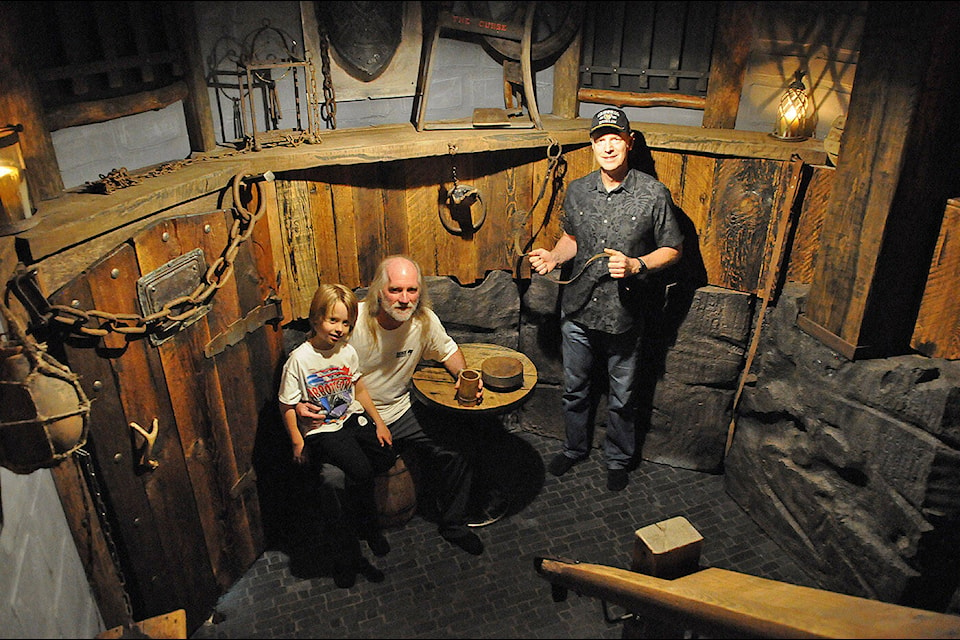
x,y
396,329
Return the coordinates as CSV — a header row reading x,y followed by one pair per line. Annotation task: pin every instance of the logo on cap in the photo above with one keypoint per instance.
x,y
612,118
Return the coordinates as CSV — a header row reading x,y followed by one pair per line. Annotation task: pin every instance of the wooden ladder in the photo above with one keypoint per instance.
x,y
515,75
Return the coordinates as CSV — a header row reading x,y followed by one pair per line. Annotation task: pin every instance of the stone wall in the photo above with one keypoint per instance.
x,y
691,361
852,467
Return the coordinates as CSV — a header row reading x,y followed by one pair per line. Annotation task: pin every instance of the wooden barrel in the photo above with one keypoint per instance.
x,y
395,495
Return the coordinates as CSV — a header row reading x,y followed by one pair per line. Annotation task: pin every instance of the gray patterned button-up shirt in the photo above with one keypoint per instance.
x,y
636,218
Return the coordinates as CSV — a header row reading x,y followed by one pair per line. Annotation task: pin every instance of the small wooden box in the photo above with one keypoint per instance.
x,y
667,549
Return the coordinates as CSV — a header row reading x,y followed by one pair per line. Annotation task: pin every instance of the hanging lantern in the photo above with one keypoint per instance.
x,y
16,212
43,410
793,114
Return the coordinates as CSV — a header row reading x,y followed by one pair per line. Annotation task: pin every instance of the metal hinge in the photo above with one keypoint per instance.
x,y
269,311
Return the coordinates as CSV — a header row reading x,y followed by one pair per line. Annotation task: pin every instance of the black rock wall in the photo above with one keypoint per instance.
x,y
853,467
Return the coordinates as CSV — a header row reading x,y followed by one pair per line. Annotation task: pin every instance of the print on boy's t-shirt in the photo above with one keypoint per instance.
x,y
332,390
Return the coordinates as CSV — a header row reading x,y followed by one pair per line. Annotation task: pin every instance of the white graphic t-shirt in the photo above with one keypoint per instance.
x,y
390,362
324,378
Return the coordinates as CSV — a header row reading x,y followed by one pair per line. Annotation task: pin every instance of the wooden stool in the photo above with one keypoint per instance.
x,y
395,495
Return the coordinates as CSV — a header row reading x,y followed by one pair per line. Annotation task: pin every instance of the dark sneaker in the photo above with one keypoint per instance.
x,y
617,479
560,464
378,544
370,572
466,540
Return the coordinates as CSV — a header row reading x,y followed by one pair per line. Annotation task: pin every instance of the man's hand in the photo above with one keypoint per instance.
x,y
542,261
620,264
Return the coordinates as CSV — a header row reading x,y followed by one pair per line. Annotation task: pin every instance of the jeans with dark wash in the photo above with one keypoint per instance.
x,y
582,349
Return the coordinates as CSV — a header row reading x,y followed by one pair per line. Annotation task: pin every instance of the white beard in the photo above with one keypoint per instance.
x,y
398,314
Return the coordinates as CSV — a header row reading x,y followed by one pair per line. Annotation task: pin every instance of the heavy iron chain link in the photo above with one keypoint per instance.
x,y
328,110
88,478
180,309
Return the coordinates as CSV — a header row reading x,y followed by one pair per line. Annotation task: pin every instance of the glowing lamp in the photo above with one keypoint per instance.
x,y
794,112
16,212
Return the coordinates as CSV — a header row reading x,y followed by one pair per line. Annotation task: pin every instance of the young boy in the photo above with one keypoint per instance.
x,y
325,371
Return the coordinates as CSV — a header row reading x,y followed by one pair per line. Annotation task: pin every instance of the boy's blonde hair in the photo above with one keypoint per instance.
x,y
324,299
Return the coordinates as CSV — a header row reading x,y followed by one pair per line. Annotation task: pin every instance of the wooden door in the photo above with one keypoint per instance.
x,y
186,530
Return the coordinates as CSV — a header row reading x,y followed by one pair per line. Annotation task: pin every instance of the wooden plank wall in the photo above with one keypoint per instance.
x,y
337,223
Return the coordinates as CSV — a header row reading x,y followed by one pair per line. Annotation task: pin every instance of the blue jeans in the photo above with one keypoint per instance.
x,y
581,350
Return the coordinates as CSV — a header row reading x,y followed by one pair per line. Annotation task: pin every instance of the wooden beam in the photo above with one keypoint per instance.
x,y
566,79
733,40
20,104
633,99
746,606
896,171
94,111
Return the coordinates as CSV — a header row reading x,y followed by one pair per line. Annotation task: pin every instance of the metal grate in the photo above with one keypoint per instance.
x,y
91,51
649,47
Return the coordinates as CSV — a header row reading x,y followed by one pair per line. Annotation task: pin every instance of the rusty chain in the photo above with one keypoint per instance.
x,y
178,310
328,111
120,178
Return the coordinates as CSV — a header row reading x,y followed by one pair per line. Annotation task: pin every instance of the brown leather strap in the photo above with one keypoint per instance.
x,y
582,269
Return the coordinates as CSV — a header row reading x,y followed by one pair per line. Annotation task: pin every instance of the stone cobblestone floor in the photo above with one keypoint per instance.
x,y
434,590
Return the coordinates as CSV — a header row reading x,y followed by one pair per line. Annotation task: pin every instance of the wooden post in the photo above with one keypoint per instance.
x,y
566,79
733,40
196,104
20,104
896,170
937,333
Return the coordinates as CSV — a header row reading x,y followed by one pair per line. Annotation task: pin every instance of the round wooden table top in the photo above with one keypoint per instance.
x,y
433,385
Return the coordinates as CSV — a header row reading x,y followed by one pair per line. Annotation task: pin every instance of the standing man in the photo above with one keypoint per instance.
x,y
626,217
396,329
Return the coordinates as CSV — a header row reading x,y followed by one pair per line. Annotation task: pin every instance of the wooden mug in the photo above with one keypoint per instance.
x,y
469,385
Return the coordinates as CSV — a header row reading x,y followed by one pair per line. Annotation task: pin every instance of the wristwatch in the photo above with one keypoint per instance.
x,y
643,267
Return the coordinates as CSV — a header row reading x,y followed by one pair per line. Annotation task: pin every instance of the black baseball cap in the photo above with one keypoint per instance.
x,y
611,118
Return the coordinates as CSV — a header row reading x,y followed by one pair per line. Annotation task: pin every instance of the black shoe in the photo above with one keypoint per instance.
x,y
494,511
370,572
560,464
378,544
617,479
344,574
466,540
